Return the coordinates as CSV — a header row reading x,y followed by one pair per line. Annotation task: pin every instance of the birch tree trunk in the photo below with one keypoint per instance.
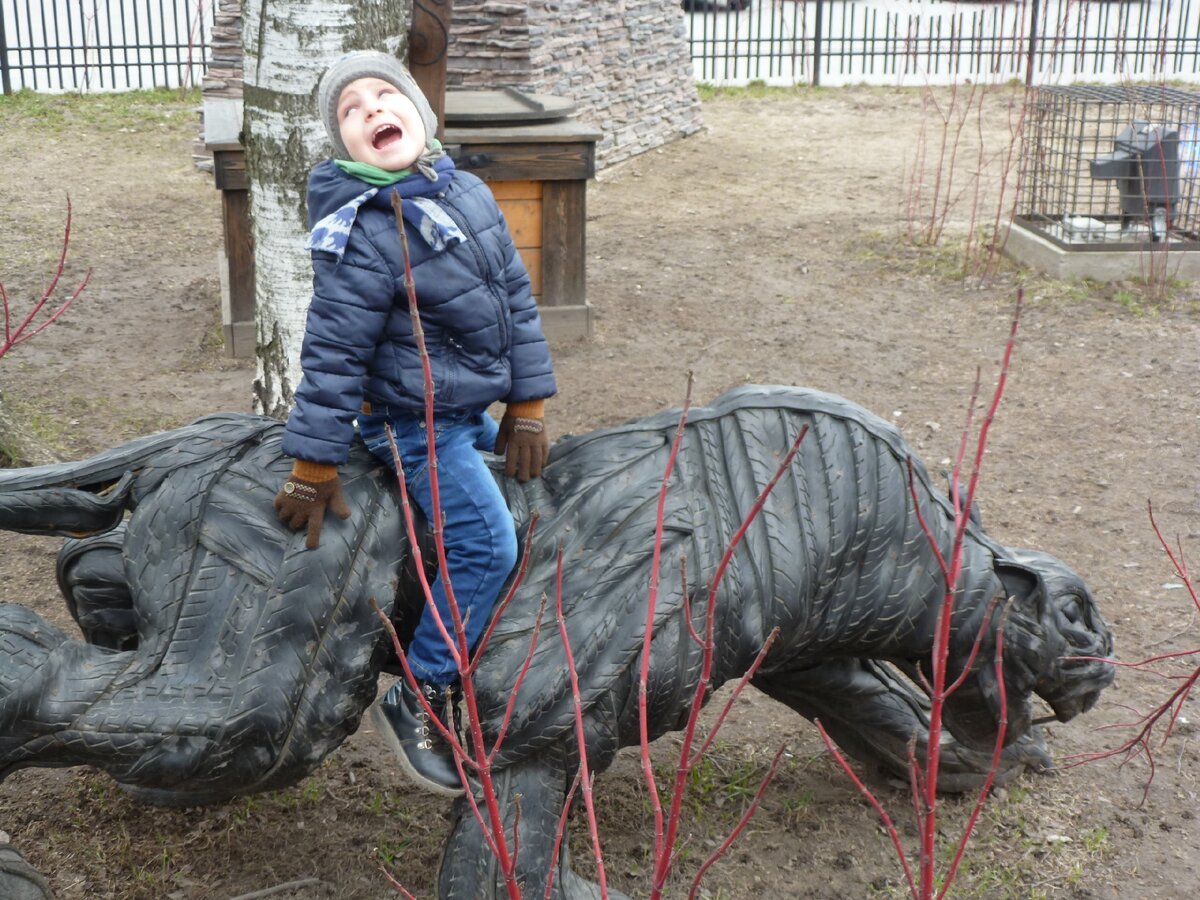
x,y
287,45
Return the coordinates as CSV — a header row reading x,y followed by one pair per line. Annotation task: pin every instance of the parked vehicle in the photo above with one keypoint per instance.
x,y
715,5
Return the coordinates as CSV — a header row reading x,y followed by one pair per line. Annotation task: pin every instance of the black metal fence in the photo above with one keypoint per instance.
x,y
933,42
70,45
59,45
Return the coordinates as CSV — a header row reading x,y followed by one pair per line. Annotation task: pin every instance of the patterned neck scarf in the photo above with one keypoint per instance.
x,y
332,233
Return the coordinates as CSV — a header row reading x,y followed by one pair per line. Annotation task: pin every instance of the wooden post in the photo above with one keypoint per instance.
x,y
5,80
817,38
237,268
1030,61
428,44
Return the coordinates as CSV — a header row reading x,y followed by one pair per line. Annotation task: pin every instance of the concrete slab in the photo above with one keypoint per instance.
x,y
1032,249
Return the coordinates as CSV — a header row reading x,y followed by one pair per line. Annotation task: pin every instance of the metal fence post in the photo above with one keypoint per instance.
x,y
1033,36
816,72
5,77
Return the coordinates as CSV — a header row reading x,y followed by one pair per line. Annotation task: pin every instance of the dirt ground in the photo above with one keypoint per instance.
x,y
765,249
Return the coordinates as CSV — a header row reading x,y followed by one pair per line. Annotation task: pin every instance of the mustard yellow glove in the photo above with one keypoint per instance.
x,y
302,501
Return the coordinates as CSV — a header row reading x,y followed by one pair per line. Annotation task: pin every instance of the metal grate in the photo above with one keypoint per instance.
x,y
1079,205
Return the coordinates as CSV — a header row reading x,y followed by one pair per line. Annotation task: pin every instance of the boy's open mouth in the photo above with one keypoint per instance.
x,y
386,135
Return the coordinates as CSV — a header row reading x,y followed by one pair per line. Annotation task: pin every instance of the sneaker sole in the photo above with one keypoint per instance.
x,y
384,729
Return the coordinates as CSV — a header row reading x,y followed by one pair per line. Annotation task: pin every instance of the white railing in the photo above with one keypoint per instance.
x,y
103,45
913,42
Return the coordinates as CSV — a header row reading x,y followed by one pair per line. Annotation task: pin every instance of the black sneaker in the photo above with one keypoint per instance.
x,y
423,753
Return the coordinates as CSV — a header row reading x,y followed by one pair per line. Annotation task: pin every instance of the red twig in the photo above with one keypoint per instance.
x,y
740,827
394,883
21,334
923,783
502,732
683,768
457,644
1143,740
460,756
522,570
962,508
737,691
997,752
414,540
1179,562
648,633
559,832
870,797
493,826
580,737
687,604
1016,134
971,657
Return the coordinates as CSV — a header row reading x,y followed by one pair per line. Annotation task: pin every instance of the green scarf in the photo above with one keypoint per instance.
x,y
373,174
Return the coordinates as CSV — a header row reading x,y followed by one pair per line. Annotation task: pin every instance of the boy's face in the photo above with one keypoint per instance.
x,y
379,125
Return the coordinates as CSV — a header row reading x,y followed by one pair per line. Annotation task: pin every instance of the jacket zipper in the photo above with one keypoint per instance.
x,y
473,240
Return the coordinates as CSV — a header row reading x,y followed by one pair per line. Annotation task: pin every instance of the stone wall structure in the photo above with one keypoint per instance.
x,y
623,63
223,77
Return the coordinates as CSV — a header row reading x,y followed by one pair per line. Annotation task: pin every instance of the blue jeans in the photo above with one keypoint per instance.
x,y
479,535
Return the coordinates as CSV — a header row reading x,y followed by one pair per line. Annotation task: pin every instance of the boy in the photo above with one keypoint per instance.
x,y
360,360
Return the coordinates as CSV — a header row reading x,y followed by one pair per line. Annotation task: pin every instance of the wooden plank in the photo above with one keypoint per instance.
x,y
507,105
532,257
229,170
563,130
566,323
239,252
524,219
513,162
564,246
516,190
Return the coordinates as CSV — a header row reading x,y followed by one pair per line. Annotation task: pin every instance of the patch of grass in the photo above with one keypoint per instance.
x,y
1130,301
1095,839
722,779
134,426
155,870
389,851
1135,297
214,340
798,811
948,260
242,816
942,261
55,114
754,90
49,430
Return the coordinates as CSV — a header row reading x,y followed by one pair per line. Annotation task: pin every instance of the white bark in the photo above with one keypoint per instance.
x,y
287,44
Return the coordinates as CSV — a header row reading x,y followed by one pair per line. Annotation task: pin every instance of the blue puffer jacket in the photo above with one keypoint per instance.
x,y
482,328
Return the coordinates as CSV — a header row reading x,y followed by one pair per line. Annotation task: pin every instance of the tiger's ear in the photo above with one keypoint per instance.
x,y
1024,585
1029,651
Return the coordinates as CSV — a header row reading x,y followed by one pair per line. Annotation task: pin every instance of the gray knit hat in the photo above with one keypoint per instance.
x,y
373,64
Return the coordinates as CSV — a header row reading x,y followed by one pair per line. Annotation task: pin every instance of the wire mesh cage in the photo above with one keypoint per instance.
x,y
1112,167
